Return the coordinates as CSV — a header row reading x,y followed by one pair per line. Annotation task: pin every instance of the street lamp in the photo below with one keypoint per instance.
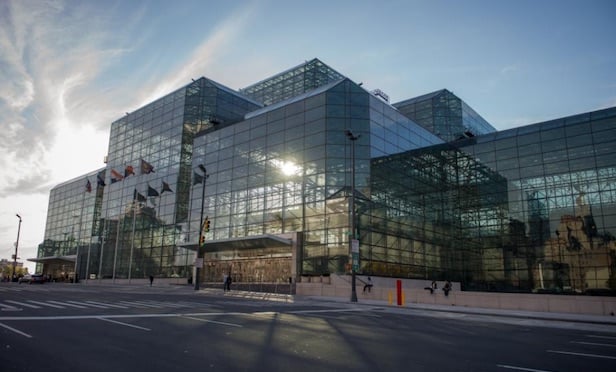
x,y
353,243
199,247
16,245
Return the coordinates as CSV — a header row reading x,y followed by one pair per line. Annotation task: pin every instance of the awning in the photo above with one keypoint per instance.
x,y
54,259
248,242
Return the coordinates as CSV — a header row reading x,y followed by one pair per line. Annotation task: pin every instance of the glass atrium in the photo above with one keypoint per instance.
x,y
439,194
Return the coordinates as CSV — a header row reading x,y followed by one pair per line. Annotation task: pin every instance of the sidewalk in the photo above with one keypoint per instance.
x,y
609,321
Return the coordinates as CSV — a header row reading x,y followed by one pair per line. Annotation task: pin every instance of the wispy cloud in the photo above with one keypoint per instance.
x,y
211,50
49,63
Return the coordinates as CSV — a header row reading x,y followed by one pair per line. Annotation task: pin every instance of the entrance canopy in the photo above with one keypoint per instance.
x,y
249,242
54,260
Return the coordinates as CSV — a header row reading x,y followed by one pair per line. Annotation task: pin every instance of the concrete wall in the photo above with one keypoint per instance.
x,y
413,291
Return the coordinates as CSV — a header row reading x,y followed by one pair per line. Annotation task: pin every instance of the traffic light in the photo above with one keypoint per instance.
x,y
207,224
202,240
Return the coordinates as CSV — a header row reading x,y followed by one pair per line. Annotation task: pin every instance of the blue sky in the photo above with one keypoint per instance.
x,y
69,68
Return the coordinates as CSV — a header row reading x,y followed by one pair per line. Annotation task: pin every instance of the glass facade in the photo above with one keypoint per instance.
x,y
292,83
528,209
445,115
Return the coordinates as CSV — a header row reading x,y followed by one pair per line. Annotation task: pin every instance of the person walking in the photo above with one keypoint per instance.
x,y
228,283
368,285
224,282
151,280
447,288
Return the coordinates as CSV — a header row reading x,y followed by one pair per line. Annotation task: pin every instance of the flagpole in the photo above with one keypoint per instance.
x,y
100,262
187,238
100,182
132,244
117,242
83,200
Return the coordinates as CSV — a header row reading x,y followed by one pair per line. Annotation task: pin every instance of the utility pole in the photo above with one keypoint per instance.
x,y
353,243
199,245
16,246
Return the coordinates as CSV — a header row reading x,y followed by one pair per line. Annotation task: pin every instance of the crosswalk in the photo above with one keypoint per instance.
x,y
14,305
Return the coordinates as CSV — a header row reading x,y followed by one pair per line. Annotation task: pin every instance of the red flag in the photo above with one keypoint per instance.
x,y
116,176
129,171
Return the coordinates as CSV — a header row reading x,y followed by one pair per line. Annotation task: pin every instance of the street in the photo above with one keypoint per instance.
x,y
59,327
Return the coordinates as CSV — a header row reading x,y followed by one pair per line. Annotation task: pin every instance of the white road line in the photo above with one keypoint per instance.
x,y
23,304
160,304
46,304
15,330
138,304
86,305
582,354
124,324
521,368
592,343
597,336
8,307
105,304
67,303
214,321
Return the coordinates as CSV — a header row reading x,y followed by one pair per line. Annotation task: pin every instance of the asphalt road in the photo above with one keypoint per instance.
x,y
55,327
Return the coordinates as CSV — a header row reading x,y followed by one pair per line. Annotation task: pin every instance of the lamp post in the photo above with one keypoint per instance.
x,y
16,246
199,247
353,243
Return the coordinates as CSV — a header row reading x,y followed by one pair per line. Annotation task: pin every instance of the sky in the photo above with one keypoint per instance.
x,y
70,68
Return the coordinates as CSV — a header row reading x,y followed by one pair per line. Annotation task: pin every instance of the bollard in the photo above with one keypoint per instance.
x,y
399,291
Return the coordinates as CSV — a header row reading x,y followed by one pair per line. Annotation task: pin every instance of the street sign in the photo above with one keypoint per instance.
x,y
199,262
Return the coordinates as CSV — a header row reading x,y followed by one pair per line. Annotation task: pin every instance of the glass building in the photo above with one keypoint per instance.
x,y
257,183
445,115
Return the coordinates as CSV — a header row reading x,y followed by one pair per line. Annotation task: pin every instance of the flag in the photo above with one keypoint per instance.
x,y
100,178
88,185
146,168
152,191
165,188
137,196
128,171
197,178
116,176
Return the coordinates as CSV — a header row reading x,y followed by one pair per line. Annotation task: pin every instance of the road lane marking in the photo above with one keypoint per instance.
x,y
521,368
138,304
124,324
166,304
15,330
68,303
9,307
23,304
104,304
85,305
46,304
214,321
592,343
597,336
582,354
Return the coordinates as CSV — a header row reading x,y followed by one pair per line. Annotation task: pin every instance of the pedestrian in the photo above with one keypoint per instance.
x,y
432,287
447,288
228,283
368,285
151,280
224,282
